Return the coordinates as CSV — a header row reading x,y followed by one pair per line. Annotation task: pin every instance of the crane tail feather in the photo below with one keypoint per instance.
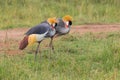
x,y
23,43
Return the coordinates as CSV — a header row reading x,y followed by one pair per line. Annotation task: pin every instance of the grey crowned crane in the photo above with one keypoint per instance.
x,y
62,28
36,34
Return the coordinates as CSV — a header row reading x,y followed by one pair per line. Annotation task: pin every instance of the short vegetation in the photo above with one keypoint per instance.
x,y
76,57
27,13
86,57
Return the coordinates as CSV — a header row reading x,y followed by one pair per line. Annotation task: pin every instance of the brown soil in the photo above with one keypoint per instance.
x,y
15,35
95,28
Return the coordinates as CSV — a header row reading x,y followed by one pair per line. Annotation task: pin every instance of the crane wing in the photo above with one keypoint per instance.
x,y
39,29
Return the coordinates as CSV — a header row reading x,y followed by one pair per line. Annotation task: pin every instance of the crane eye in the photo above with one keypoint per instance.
x,y
70,22
55,24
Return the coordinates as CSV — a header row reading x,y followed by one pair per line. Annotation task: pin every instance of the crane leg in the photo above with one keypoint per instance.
x,y
37,50
51,44
51,47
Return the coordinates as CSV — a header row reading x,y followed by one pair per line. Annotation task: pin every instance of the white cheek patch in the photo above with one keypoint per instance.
x,y
67,23
54,25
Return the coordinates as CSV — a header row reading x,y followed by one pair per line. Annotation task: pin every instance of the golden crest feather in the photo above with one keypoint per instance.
x,y
52,20
67,18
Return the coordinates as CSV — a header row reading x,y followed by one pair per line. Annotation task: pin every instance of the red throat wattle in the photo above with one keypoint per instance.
x,y
66,26
52,27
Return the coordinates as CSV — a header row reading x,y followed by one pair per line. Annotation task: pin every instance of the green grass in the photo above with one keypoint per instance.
x,y
27,13
85,57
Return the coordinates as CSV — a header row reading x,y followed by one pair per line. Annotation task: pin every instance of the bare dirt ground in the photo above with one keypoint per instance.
x,y
15,35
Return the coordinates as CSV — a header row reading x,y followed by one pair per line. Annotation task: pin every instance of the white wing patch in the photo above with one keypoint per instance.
x,y
40,37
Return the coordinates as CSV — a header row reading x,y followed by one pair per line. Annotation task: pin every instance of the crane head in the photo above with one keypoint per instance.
x,y
52,22
68,20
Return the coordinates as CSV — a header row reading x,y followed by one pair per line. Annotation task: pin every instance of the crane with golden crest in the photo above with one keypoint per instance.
x,y
37,33
63,27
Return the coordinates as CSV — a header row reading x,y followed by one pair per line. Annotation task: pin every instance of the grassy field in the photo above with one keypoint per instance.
x,y
79,57
85,57
27,13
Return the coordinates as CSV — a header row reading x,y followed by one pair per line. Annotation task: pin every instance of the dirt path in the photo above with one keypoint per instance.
x,y
18,33
95,28
15,35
